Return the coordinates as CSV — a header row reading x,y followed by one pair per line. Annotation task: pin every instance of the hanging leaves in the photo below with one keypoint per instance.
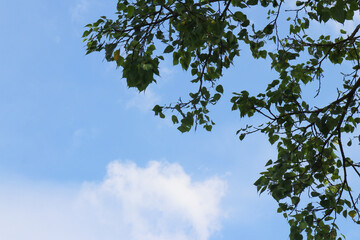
x,y
310,177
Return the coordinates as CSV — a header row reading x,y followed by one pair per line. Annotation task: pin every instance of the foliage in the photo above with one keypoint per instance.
x,y
310,177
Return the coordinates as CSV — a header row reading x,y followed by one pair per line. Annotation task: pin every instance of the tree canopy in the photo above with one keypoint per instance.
x,y
312,178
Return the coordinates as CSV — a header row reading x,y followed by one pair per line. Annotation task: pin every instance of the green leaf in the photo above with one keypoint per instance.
x,y
273,138
176,57
183,128
169,49
338,12
252,2
174,119
242,136
315,194
268,163
352,213
239,16
109,49
219,88
131,10
325,15
208,127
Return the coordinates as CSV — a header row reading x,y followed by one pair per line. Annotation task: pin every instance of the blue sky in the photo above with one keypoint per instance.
x,y
83,157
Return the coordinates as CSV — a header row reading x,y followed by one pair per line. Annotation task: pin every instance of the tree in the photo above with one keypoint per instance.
x,y
310,177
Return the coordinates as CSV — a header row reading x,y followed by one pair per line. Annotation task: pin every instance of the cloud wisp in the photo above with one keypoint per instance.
x,y
78,10
143,101
157,202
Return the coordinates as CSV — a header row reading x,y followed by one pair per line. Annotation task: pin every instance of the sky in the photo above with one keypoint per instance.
x,y
84,157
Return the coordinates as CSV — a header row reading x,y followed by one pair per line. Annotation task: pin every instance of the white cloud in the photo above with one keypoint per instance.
x,y
143,101
167,72
158,202
83,135
57,39
78,11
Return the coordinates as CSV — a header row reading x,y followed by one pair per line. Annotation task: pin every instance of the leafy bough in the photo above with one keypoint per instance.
x,y
310,179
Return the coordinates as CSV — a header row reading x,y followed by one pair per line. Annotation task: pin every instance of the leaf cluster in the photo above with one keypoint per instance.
x,y
310,176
